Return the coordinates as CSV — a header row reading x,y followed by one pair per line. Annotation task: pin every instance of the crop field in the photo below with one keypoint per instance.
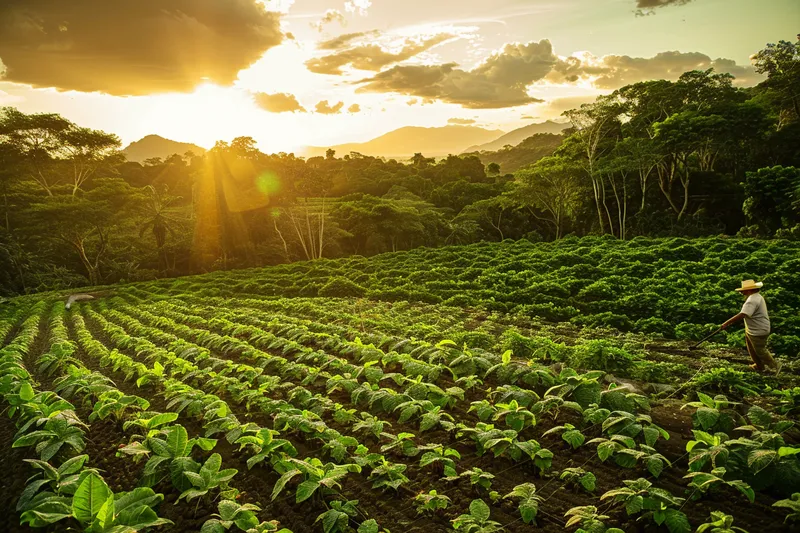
x,y
493,387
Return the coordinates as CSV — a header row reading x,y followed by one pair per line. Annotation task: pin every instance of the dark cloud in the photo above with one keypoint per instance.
x,y
460,121
325,108
331,16
355,108
343,41
613,71
500,81
278,103
648,7
650,4
133,47
371,56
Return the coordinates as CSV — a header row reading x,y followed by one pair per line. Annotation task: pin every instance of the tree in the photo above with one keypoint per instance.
x,y
552,187
493,169
770,197
160,218
781,63
86,151
39,139
592,124
85,222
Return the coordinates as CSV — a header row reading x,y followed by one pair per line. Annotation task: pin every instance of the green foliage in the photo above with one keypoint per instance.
x,y
578,477
477,521
720,523
431,502
528,501
793,504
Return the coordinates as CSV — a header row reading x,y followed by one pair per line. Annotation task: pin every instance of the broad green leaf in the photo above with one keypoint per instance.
x,y
479,510
368,526
26,392
177,441
305,490
92,493
281,483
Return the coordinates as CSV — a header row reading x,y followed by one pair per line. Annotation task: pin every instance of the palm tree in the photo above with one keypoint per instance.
x,y
160,217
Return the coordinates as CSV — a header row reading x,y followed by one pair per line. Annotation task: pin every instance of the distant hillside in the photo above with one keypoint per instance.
x,y
525,153
515,137
157,146
405,142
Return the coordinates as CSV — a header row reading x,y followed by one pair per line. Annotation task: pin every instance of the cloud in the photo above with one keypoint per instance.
x,y
614,71
325,108
500,81
460,121
131,47
357,6
343,41
331,16
648,7
413,101
278,103
355,108
372,56
3,69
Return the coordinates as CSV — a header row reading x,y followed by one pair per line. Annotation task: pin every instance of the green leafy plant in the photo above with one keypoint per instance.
x,y
401,444
569,434
230,513
793,504
705,482
116,404
711,414
57,432
207,478
528,501
98,510
578,477
477,521
431,502
337,517
720,523
265,446
641,497
386,474
589,519
441,458
315,474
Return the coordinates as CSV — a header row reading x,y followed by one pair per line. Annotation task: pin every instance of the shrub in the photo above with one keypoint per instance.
x,y
601,355
342,287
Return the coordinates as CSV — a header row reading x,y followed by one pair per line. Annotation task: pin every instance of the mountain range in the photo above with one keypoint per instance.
x,y
404,142
518,135
157,146
401,143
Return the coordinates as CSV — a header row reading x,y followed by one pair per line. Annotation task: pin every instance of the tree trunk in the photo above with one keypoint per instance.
x,y
285,247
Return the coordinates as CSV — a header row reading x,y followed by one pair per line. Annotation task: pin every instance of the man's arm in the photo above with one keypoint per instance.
x,y
733,320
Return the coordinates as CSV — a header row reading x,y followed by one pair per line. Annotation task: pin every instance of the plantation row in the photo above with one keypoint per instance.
x,y
339,415
675,288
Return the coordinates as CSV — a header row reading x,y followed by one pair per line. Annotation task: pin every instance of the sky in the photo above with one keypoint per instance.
x,y
291,73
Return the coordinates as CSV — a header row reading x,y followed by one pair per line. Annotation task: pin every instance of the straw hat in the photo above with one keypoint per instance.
x,y
749,285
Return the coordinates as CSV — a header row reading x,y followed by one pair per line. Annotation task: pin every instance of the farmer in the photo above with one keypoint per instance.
x,y
756,325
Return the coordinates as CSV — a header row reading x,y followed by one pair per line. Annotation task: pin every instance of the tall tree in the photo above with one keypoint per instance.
x,y
87,151
38,137
161,217
781,63
592,124
550,190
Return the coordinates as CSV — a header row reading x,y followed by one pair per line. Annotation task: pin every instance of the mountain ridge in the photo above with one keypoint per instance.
x,y
408,140
515,137
152,145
